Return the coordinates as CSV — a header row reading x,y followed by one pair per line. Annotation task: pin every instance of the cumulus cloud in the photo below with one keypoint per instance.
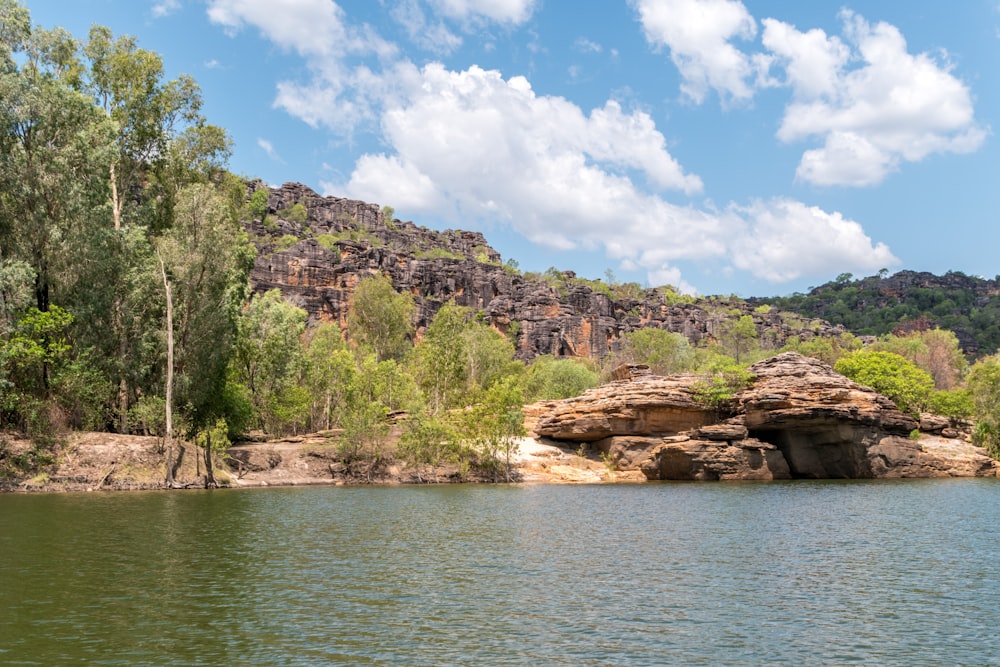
x,y
872,104
698,34
564,179
783,240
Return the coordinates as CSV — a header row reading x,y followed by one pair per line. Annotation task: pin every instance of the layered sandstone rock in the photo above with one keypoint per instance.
x,y
799,419
318,263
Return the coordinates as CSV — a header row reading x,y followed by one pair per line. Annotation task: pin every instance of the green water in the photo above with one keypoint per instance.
x,y
817,573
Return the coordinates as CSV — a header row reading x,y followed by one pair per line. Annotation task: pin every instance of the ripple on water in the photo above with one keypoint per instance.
x,y
815,573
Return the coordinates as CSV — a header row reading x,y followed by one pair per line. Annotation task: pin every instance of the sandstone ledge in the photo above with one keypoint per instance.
x,y
799,419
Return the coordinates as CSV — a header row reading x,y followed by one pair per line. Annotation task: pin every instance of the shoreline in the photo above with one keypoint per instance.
x,y
90,462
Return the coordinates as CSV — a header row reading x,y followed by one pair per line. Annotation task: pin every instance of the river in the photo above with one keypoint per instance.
x,y
790,573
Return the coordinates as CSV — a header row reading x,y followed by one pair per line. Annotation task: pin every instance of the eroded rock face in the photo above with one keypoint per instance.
x,y
318,263
643,407
799,419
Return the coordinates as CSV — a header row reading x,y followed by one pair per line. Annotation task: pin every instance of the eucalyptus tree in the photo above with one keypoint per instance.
x,y
51,140
381,317
205,259
127,84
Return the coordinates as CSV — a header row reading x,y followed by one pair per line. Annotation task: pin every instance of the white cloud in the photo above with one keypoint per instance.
x,y
587,46
268,149
698,34
500,129
555,175
872,104
513,12
165,8
428,35
783,240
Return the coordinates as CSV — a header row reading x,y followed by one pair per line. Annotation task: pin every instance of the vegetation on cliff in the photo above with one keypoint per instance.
x,y
907,301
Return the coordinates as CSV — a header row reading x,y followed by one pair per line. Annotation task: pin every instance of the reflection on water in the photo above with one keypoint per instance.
x,y
874,573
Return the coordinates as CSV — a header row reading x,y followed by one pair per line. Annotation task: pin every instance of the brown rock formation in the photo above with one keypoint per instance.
x,y
318,263
799,419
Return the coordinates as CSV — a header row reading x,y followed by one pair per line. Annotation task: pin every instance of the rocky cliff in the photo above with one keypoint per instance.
x,y
799,419
316,256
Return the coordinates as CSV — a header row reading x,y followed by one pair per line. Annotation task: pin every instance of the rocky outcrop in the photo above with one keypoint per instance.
x,y
317,259
798,419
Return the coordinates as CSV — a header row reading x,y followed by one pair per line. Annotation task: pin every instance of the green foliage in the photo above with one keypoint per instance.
x,y
665,352
214,437
875,306
266,355
915,434
381,318
258,204
285,242
935,350
722,380
493,425
458,356
956,404
983,383
738,336
297,213
438,253
549,378
826,349
430,440
146,416
891,375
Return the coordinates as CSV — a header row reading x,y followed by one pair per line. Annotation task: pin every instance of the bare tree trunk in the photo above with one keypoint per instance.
x,y
116,206
210,482
169,411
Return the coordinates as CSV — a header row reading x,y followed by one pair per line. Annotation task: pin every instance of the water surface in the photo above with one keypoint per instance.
x,y
818,573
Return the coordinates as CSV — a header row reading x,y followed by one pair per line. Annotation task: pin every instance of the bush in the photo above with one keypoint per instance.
x,y
549,378
723,380
890,375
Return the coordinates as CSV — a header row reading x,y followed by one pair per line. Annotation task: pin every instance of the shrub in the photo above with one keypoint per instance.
x,y
890,375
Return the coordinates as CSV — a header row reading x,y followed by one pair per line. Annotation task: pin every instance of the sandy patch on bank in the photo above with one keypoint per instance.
x,y
543,461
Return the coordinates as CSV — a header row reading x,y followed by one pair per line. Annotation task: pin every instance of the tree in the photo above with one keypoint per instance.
x,y
494,424
267,351
665,352
549,378
440,360
737,336
983,383
937,351
380,317
51,140
208,258
890,375
126,83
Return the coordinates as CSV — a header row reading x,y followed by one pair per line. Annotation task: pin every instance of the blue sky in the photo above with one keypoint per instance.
x,y
755,148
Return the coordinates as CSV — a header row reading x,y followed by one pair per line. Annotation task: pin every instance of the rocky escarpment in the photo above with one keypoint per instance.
x,y
317,259
799,419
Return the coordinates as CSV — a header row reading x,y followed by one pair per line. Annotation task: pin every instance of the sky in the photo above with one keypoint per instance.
x,y
754,148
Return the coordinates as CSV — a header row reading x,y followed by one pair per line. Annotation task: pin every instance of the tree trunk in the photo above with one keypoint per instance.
x,y
210,482
116,206
169,414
